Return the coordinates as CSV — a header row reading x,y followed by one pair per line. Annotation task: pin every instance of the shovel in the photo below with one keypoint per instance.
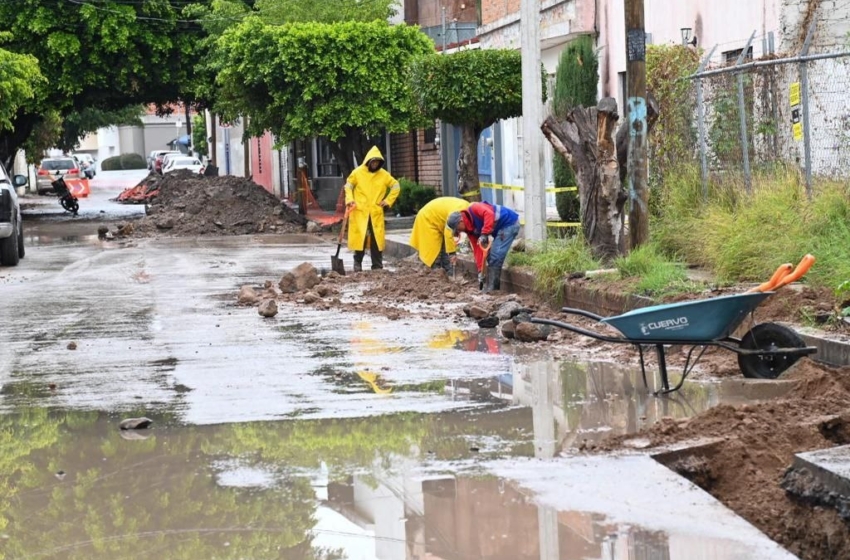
x,y
336,262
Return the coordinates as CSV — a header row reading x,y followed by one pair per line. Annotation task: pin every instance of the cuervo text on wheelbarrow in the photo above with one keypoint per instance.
x,y
668,325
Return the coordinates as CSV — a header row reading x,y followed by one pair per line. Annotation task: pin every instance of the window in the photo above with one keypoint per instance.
x,y
430,135
328,166
731,57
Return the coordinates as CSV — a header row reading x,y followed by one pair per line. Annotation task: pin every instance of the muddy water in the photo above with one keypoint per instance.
x,y
313,434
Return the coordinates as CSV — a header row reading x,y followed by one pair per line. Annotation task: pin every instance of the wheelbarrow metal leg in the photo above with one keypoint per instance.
x,y
662,367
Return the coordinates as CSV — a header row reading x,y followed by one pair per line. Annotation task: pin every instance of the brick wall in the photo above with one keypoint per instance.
x,y
494,10
430,12
403,161
401,148
430,166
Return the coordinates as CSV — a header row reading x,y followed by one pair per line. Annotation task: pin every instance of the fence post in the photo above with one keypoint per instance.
x,y
742,113
703,147
804,90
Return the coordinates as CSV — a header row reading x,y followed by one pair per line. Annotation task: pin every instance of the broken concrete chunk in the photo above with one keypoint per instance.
x,y
313,227
531,332
505,310
311,297
478,312
288,284
306,276
72,345
247,296
135,423
268,308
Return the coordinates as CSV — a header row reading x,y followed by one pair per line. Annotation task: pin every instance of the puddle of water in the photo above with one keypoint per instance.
x,y
315,434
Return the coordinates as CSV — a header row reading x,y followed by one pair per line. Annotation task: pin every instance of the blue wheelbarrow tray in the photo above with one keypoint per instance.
x,y
688,321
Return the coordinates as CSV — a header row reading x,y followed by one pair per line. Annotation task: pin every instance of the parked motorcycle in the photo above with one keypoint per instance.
x,y
66,199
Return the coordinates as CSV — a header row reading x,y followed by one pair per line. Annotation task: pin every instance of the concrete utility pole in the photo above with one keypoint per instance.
x,y
636,105
532,118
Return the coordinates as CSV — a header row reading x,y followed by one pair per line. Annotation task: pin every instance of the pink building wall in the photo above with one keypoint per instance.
x,y
262,161
726,23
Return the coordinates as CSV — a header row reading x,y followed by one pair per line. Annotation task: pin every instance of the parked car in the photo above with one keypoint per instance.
x,y
87,165
11,223
51,169
193,164
160,159
152,157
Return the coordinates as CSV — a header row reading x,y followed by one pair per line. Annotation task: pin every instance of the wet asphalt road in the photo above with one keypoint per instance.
x,y
310,435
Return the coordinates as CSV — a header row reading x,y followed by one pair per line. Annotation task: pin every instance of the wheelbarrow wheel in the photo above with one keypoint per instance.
x,y
767,337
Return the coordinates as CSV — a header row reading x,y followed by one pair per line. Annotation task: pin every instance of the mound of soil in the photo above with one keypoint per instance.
x,y
755,446
192,204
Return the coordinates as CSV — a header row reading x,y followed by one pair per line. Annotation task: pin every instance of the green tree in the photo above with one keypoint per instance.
x,y
575,84
20,78
103,56
199,135
346,81
472,90
326,11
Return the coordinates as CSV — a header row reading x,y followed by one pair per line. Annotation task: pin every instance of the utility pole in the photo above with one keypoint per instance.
x,y
636,105
532,118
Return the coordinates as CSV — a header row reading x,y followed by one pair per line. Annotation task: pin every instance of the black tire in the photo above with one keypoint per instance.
x,y
21,251
9,249
70,204
767,336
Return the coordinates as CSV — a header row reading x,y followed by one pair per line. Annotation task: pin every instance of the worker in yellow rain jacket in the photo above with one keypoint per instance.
x,y
368,191
435,243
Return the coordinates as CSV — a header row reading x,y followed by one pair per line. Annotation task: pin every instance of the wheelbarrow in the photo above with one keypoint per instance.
x,y
764,352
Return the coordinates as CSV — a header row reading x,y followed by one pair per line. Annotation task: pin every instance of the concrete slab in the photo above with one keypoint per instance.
x,y
823,478
633,494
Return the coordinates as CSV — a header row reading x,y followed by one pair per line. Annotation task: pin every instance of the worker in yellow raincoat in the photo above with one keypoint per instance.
x,y
368,191
435,243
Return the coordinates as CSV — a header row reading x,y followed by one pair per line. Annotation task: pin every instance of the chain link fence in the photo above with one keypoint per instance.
x,y
753,114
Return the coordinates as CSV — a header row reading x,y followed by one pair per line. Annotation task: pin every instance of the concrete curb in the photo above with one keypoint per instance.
x,y
831,352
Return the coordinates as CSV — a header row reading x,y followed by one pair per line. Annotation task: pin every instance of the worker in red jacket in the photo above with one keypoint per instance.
x,y
490,228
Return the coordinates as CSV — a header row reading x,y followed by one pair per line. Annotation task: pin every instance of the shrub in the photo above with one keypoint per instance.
x,y
576,80
741,237
658,275
413,197
124,161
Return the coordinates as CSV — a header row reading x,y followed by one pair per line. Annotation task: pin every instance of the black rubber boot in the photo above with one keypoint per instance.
x,y
494,273
358,261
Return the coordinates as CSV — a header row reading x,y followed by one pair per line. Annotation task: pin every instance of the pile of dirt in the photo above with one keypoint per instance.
x,y
409,290
755,445
190,204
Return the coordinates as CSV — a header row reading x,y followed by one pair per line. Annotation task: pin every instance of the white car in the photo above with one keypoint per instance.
x,y
191,163
11,225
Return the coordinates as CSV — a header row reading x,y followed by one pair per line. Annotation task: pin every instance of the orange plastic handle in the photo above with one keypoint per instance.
x,y
779,274
798,273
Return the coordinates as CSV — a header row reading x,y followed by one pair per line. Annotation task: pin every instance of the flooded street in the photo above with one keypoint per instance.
x,y
315,434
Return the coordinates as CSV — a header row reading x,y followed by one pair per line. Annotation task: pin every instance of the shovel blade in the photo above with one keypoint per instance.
x,y
337,266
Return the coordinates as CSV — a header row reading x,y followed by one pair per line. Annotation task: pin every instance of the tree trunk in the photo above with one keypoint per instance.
x,y
12,140
585,140
467,163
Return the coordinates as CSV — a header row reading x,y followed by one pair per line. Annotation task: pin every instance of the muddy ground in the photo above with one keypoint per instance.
x,y
755,443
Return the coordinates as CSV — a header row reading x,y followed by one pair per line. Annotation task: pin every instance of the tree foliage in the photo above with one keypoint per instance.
x,y
105,56
471,89
576,78
344,81
325,11
673,138
20,78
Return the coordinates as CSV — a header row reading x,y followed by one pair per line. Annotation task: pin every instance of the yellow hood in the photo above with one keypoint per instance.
x,y
373,153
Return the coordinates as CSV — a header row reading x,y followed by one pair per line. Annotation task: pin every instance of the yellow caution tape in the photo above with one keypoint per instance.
x,y
498,187
557,224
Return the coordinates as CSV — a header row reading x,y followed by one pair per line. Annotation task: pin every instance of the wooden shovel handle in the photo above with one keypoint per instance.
x,y
344,223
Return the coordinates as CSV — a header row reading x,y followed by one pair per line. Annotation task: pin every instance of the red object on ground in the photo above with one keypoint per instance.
x,y
79,187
